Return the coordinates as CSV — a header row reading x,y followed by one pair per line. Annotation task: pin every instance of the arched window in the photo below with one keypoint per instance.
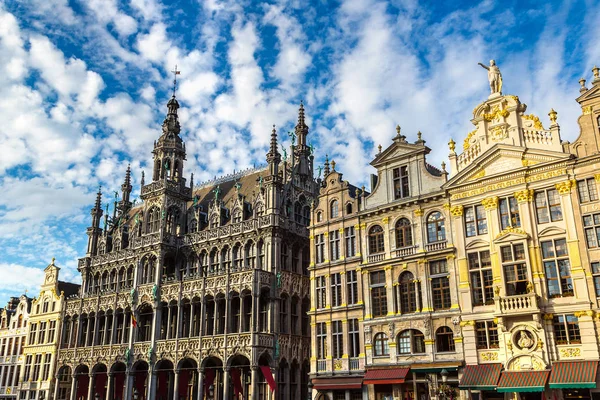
x,y
349,208
403,233
381,346
376,240
408,293
319,216
153,220
411,341
436,231
444,339
334,209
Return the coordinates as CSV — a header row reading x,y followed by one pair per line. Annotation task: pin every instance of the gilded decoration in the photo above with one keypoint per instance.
x,y
526,362
565,187
510,229
537,124
466,143
419,212
489,356
490,203
498,133
337,364
479,174
456,211
587,110
570,352
452,145
524,196
496,114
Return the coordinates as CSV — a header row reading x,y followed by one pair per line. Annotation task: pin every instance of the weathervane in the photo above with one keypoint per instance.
x,y
175,73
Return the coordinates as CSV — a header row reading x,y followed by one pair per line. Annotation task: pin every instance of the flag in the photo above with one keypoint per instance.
x,y
266,370
237,382
177,72
133,320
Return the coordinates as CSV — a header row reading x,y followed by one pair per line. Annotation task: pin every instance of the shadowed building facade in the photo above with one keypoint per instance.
x,y
197,292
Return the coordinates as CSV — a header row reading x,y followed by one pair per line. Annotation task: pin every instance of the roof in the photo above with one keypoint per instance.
x,y
68,288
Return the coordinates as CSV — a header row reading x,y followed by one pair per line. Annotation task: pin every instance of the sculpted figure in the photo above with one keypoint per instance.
x,y
525,340
494,76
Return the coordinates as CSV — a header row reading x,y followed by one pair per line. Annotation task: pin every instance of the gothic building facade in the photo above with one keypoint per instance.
x,y
197,292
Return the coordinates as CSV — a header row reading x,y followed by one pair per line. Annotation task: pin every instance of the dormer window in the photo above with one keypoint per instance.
x,y
401,185
237,216
335,210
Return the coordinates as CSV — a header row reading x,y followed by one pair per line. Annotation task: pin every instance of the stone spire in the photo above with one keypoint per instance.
x,y
273,156
125,204
326,170
94,231
301,128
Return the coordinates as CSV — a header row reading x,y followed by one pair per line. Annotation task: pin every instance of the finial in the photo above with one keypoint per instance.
x,y
333,165
419,134
175,73
192,180
552,114
326,169
596,72
582,83
443,166
142,180
53,259
452,145
379,147
398,130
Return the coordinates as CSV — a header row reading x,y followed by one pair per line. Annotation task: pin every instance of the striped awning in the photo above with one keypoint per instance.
x,y
385,376
573,375
480,377
341,383
522,381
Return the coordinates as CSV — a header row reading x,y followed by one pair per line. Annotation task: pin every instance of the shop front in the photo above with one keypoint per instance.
x,y
574,379
529,385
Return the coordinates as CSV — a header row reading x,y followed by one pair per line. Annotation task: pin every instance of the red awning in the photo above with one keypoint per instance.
x,y
480,377
522,381
385,376
573,375
354,382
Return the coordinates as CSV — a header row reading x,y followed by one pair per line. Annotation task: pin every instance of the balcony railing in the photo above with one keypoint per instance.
x,y
353,364
406,251
436,246
376,257
517,304
321,365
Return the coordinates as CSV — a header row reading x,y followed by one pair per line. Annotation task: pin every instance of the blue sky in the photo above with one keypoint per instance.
x,y
84,84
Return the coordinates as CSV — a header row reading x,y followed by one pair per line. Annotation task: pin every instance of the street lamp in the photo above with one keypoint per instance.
x,y
135,394
97,396
444,374
309,392
211,392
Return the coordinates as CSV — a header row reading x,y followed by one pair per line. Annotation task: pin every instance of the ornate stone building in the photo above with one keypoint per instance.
x,y
197,292
514,231
13,331
38,362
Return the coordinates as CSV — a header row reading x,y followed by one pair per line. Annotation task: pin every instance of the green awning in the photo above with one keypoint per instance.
x,y
522,381
573,375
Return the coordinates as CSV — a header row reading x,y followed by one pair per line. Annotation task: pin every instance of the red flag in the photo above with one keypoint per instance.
x,y
133,320
266,370
237,381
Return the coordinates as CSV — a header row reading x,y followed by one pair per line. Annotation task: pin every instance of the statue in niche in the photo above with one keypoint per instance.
x,y
525,340
494,76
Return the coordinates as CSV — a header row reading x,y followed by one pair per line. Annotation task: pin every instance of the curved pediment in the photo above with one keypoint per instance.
x,y
477,243
511,234
552,230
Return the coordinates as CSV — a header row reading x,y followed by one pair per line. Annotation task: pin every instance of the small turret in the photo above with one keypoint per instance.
x,y
94,231
273,156
125,204
326,170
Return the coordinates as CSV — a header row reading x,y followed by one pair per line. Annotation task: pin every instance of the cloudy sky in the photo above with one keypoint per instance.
x,y
84,84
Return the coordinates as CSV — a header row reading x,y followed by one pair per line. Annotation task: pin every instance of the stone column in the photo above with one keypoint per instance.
x,y
200,384
109,386
389,288
226,383
152,380
364,279
253,383
73,387
56,387
90,394
128,385
176,385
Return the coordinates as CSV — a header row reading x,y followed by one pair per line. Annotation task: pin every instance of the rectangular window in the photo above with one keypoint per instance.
x,y
353,338
587,190
51,331
401,183
475,221
321,294
336,290
482,279
334,245
320,248
596,274
557,268
321,340
351,287
487,335
337,336
46,370
378,294
32,333
36,367
566,329
547,206
42,338
350,237
515,269
591,225
440,285
509,213
28,362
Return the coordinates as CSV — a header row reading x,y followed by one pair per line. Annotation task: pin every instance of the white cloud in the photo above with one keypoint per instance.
x,y
19,278
154,45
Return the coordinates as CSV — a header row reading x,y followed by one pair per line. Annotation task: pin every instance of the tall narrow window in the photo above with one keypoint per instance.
x,y
320,248
547,206
436,230
334,209
487,335
440,284
336,290
475,221
350,237
587,190
566,329
596,274
353,338
403,233
351,287
376,244
591,225
381,347
337,336
46,370
378,294
334,245
401,183
321,294
482,279
509,213
557,268
444,339
515,268
321,340
408,293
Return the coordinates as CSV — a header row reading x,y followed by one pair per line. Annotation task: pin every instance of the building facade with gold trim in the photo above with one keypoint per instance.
x,y
13,331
